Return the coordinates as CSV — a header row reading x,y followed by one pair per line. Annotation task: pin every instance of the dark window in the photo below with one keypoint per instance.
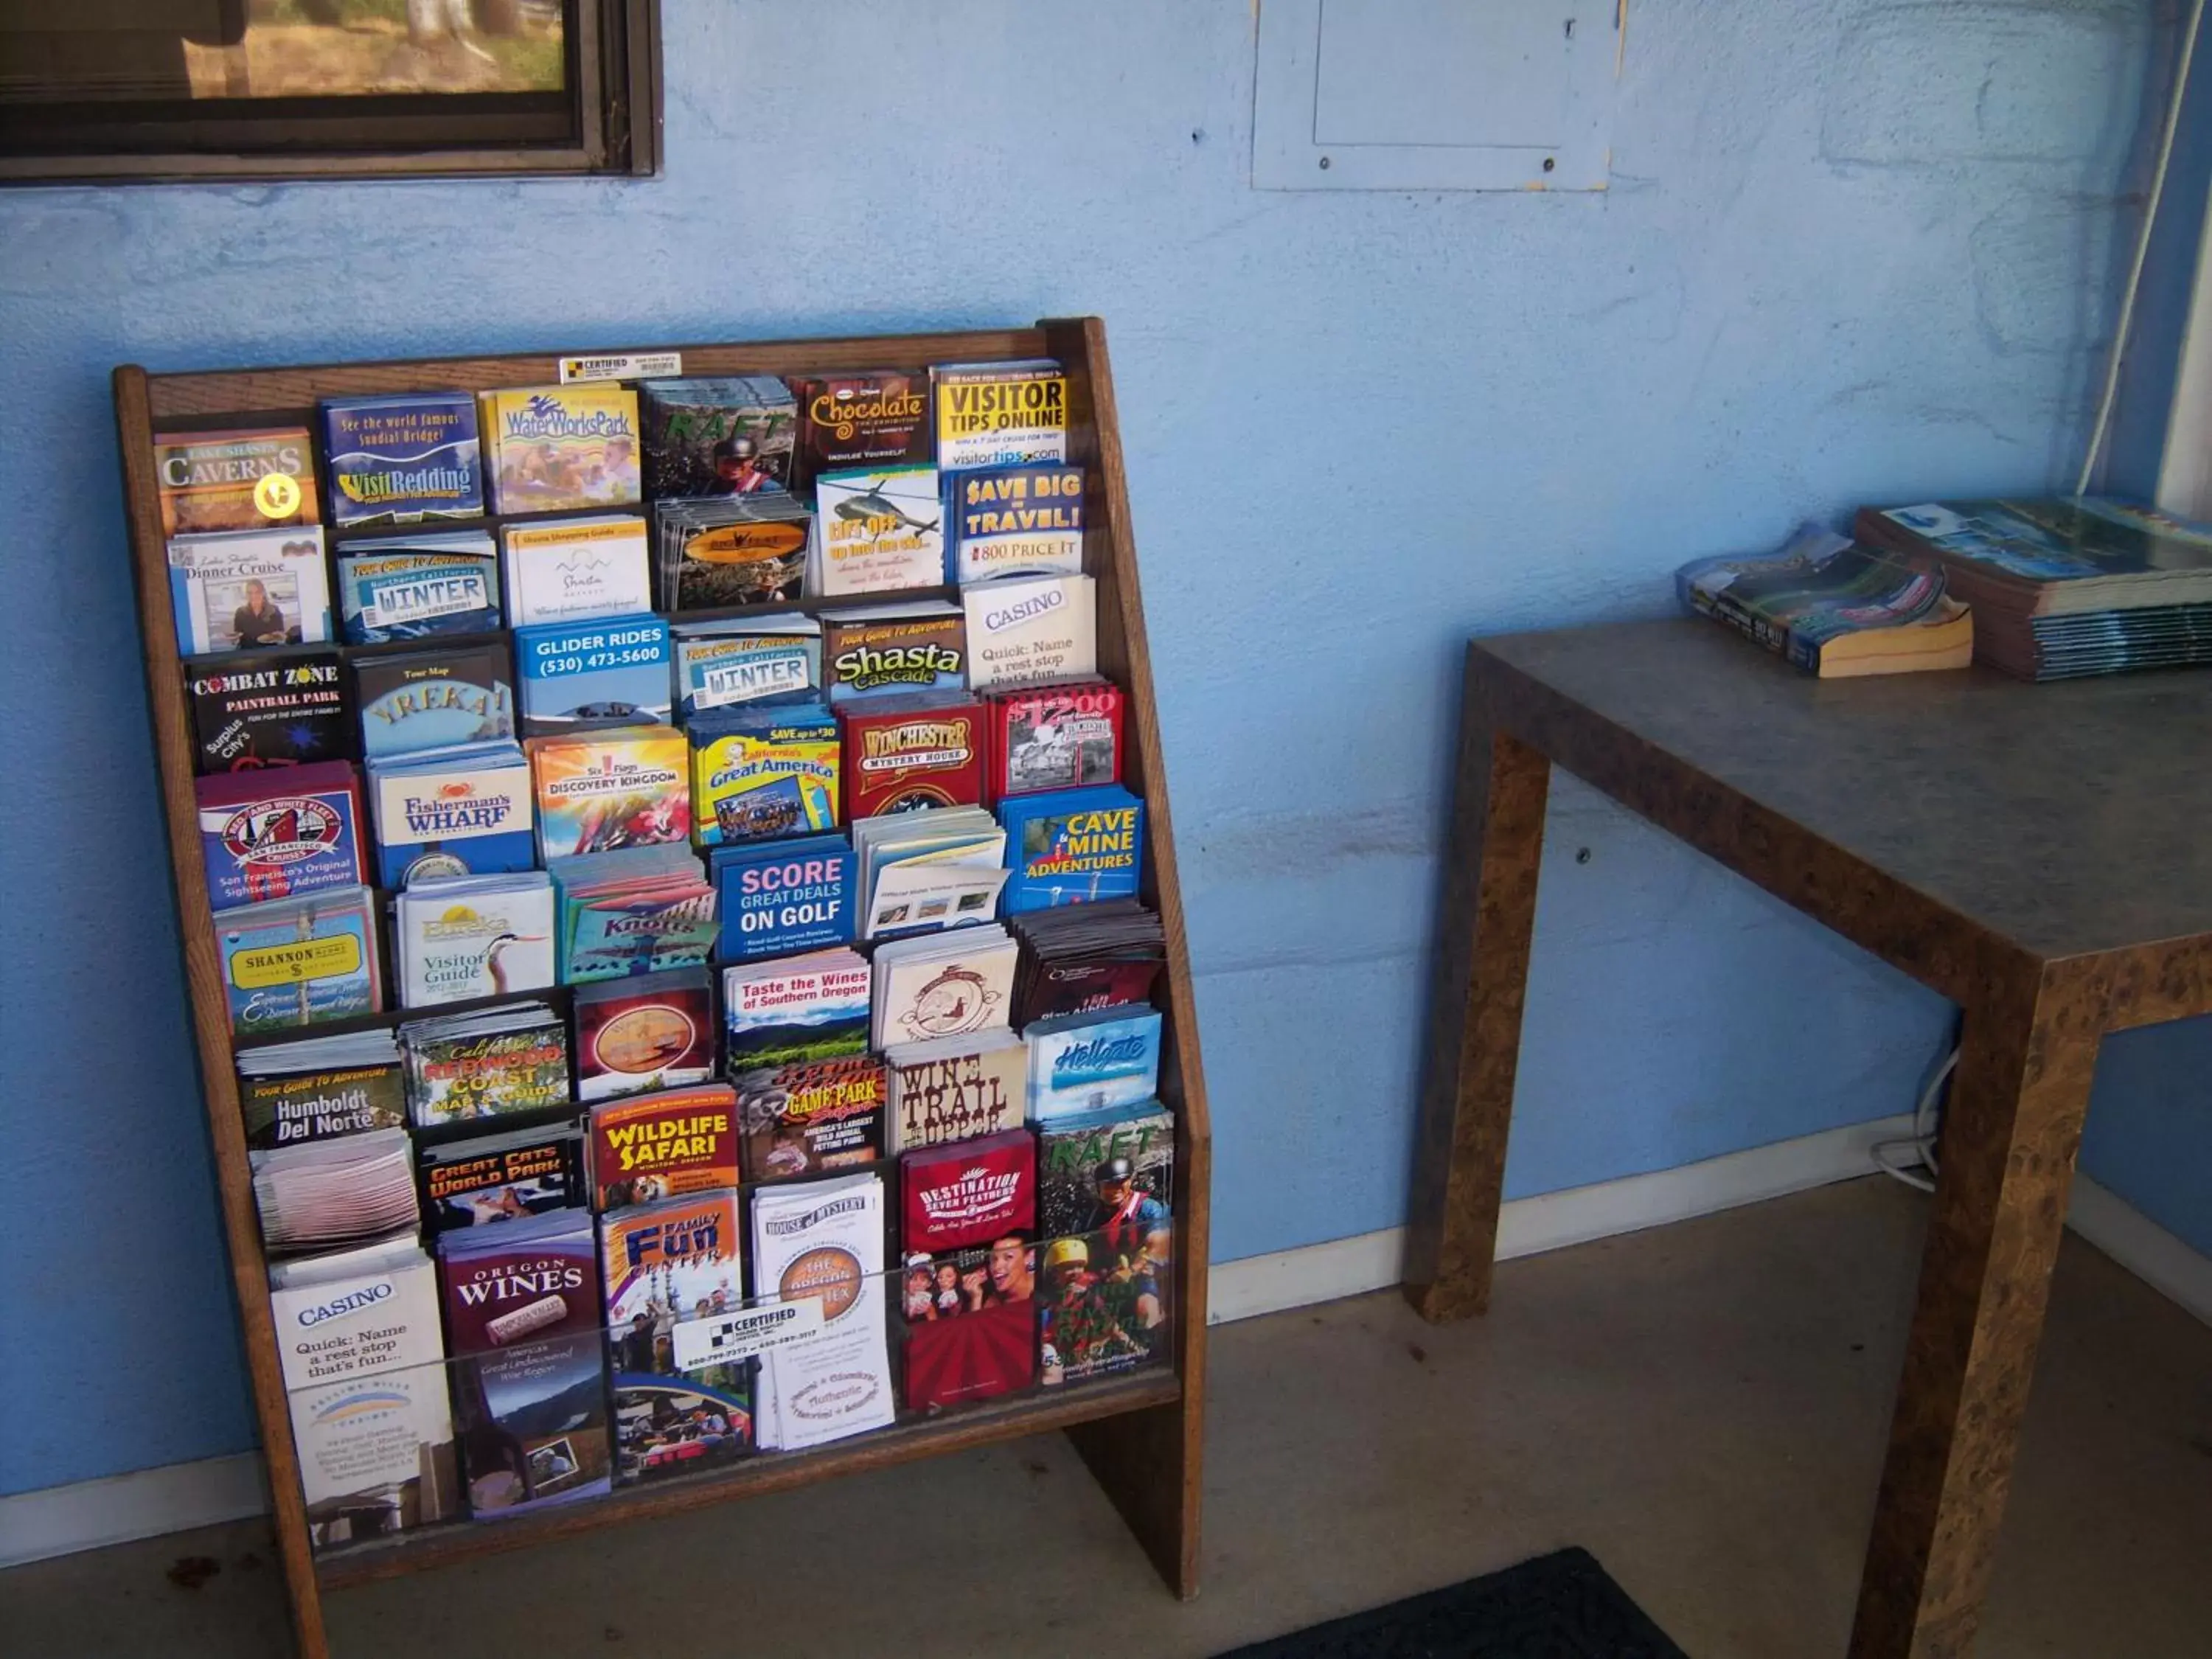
x,y
287,89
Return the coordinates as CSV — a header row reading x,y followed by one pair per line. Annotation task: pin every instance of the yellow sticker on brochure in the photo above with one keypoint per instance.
x,y
292,964
278,496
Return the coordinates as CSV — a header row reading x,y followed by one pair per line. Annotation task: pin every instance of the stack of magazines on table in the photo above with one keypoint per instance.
x,y
2040,590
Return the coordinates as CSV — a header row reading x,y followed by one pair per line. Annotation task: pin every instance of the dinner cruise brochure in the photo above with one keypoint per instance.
x,y
1052,737
404,457
559,448
713,553
289,1092
1073,847
462,811
635,911
941,985
763,772
876,532
1012,414
530,1393
242,590
509,1062
647,1032
280,832
955,1088
779,897
1078,958
1833,608
462,937
250,479
768,658
901,754
721,435
1013,521
663,1266
435,698
301,961
1085,1062
359,1337
824,1240
614,672
810,1117
871,418
490,1179
644,1148
1029,630
417,588
602,791
892,649
258,710
569,570
314,1194
794,1008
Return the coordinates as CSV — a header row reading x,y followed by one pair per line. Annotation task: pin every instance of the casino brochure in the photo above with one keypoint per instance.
x,y
357,1332
1027,630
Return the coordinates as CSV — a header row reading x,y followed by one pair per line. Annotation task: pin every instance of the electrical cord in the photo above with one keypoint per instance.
x,y
2105,406
1890,1156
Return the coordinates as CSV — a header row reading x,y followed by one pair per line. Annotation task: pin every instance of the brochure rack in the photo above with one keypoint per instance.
x,y
1140,1434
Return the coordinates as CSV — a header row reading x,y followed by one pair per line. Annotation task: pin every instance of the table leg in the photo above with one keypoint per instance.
x,y
2009,1136
1474,1016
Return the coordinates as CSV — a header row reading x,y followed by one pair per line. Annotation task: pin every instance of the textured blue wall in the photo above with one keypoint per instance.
x,y
1852,251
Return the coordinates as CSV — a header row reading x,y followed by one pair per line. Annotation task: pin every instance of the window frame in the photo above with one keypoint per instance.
x,y
613,127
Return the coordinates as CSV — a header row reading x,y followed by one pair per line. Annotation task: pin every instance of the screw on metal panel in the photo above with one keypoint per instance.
x,y
1582,855
1570,28
1549,164
1324,164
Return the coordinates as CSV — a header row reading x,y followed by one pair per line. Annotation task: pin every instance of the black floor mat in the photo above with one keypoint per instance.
x,y
1556,1607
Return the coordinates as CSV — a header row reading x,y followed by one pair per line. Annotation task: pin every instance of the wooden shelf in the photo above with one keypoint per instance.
x,y
1141,1436
958,1430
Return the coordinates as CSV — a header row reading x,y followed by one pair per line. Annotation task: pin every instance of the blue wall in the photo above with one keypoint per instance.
x,y
1852,251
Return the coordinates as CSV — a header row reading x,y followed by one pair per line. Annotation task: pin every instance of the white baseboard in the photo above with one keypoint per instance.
x,y
1551,1221
2166,1263
63,1519
91,1514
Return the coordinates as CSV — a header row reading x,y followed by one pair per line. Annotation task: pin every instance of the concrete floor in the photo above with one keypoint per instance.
x,y
1704,1406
